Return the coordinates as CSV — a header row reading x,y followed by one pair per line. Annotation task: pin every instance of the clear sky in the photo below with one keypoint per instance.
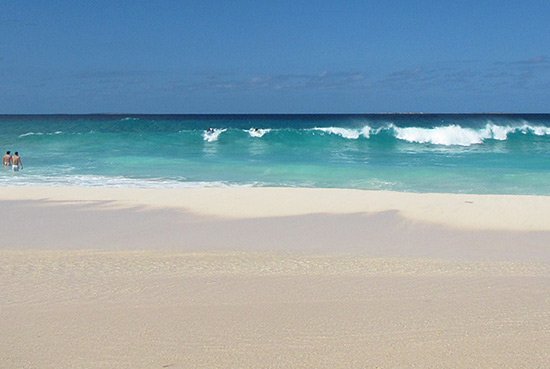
x,y
274,56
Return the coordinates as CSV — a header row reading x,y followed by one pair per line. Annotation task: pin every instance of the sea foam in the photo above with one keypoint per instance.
x,y
349,133
40,134
459,136
448,135
258,132
213,135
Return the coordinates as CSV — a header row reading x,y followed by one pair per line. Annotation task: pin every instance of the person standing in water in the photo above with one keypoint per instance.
x,y
16,162
6,160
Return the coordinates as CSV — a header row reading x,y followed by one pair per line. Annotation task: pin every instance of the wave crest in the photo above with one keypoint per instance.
x,y
258,132
447,135
40,134
455,135
349,133
211,136
444,135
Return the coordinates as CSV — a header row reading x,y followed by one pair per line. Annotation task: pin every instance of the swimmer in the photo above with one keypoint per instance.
x,y
6,160
16,162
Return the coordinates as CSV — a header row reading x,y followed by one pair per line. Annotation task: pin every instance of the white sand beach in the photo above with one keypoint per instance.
x,y
272,278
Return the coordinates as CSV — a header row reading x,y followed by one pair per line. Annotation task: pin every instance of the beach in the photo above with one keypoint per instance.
x,y
95,277
274,185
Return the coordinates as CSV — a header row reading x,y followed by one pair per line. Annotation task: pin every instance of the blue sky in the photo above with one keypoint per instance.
x,y
274,56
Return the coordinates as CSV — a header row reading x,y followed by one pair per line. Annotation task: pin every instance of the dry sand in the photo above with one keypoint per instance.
x,y
272,278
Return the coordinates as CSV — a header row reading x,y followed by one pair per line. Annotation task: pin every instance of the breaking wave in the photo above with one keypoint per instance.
x,y
256,132
444,135
459,136
449,135
348,133
213,135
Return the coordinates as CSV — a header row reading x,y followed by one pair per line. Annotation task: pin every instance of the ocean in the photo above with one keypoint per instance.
x,y
453,153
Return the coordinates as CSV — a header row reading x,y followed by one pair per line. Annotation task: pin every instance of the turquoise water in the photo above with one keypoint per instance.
x,y
489,153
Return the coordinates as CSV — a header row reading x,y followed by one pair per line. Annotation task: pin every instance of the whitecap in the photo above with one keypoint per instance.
x,y
31,134
40,134
366,131
211,136
536,130
256,132
459,136
444,135
352,134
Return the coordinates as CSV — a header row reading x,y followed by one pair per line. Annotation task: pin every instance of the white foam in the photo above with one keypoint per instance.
x,y
366,131
31,134
40,134
450,135
446,135
213,135
349,133
497,132
536,130
456,135
257,133
25,179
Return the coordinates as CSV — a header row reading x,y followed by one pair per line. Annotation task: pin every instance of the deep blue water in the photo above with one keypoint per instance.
x,y
481,153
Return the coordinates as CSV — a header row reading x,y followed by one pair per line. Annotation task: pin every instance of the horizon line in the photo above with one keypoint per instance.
x,y
272,114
